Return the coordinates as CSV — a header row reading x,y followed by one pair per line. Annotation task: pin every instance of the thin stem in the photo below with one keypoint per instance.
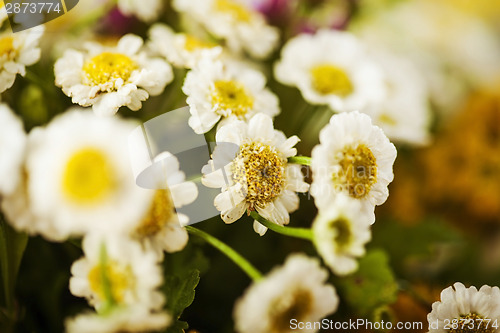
x,y
304,160
244,264
303,233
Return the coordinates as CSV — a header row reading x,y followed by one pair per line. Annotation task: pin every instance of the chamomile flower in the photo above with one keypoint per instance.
x,y
225,90
241,26
340,234
12,148
110,77
470,309
162,228
353,157
297,290
180,49
145,10
404,114
257,175
80,177
129,319
115,272
335,70
18,50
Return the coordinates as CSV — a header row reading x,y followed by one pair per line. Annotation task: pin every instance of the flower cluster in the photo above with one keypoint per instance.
x,y
287,115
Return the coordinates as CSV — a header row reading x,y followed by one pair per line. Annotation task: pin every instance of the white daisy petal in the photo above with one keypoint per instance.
x,y
297,290
234,213
226,90
359,164
340,234
110,77
237,22
259,228
19,50
465,306
257,175
335,71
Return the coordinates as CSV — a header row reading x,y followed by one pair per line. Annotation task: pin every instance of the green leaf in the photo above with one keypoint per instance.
x,y
372,286
177,327
179,290
417,250
12,246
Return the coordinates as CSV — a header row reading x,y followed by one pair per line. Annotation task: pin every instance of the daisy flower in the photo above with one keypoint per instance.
x,y
18,50
225,90
464,309
12,149
80,177
295,291
180,49
340,234
256,173
335,70
115,272
129,319
145,10
404,114
110,77
241,26
353,157
162,228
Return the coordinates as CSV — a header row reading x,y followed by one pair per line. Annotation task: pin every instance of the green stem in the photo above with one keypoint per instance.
x,y
109,300
303,233
244,264
304,160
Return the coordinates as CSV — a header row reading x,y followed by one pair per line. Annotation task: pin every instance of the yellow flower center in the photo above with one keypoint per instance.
x,y
472,323
118,278
192,43
88,176
261,170
328,79
159,213
296,304
231,96
357,172
341,228
108,68
235,9
7,47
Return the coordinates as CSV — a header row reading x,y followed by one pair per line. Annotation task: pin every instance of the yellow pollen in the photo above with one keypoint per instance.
x,y
192,43
7,47
119,277
159,213
472,323
296,304
236,10
328,79
231,96
88,176
343,233
260,169
107,68
358,171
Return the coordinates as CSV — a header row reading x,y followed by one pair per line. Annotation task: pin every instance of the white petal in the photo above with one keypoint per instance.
x,y
229,198
259,228
235,213
183,194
